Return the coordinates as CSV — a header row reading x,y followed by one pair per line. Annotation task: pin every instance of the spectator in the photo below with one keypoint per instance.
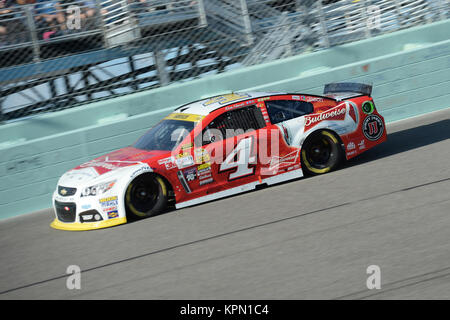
x,y
89,9
49,18
5,13
12,19
49,11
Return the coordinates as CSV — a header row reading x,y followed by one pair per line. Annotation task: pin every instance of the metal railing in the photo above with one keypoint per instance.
x,y
55,55
40,25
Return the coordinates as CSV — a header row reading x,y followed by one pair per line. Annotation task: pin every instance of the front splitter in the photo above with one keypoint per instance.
x,y
77,226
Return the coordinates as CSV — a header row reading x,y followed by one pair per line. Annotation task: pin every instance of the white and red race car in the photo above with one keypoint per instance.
x,y
217,147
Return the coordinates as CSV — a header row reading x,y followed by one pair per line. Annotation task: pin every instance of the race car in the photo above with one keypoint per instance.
x,y
217,147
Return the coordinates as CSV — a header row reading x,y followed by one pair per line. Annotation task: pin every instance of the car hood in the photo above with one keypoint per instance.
x,y
108,163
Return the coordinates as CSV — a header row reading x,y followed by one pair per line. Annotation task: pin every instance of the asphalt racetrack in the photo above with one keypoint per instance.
x,y
310,238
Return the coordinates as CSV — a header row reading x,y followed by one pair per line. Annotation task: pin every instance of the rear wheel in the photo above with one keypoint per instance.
x,y
321,153
146,196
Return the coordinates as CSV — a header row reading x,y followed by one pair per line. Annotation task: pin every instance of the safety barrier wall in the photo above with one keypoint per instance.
x,y
410,71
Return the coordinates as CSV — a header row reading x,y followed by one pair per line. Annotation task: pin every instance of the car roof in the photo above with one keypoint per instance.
x,y
206,106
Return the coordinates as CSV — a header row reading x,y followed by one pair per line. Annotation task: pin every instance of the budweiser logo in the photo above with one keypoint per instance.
x,y
325,116
278,162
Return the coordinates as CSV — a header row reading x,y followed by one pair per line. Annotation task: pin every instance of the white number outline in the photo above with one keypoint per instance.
x,y
244,168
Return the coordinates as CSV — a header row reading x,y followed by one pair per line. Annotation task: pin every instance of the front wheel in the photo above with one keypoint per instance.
x,y
321,153
146,196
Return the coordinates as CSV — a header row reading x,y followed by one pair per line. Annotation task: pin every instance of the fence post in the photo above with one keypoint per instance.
x,y
161,67
323,26
247,23
202,13
33,33
364,8
101,22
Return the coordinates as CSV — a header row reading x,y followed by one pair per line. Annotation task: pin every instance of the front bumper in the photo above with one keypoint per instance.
x,y
71,212
78,226
95,210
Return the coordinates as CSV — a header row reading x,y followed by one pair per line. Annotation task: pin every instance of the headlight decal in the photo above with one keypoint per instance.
x,y
98,189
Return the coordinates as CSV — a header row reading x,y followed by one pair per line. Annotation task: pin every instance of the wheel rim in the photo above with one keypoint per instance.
x,y
143,195
319,152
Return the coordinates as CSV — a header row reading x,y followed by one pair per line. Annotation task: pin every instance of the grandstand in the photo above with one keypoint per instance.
x,y
59,54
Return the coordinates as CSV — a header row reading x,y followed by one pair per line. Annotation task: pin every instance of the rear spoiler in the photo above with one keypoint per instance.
x,y
348,87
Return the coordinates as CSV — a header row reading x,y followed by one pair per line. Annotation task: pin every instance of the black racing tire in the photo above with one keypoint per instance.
x,y
146,196
321,153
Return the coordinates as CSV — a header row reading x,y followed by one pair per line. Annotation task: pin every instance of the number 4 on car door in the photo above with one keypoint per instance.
x,y
241,159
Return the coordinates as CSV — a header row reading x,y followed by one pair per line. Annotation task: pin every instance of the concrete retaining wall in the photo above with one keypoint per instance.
x,y
410,71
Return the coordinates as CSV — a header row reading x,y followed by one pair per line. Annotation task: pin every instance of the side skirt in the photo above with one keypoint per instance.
x,y
294,174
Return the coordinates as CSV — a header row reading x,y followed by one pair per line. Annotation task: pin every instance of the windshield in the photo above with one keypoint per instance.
x,y
166,135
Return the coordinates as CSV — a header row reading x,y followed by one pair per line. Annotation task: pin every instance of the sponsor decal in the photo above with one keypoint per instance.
x,y
187,146
204,173
64,199
204,167
239,105
336,114
141,170
297,166
169,162
368,107
206,181
263,99
182,155
308,99
351,146
109,208
314,99
184,117
285,161
201,155
190,174
184,160
362,145
113,214
226,98
373,127
86,206
109,201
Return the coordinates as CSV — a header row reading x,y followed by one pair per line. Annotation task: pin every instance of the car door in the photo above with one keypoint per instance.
x,y
285,117
225,153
